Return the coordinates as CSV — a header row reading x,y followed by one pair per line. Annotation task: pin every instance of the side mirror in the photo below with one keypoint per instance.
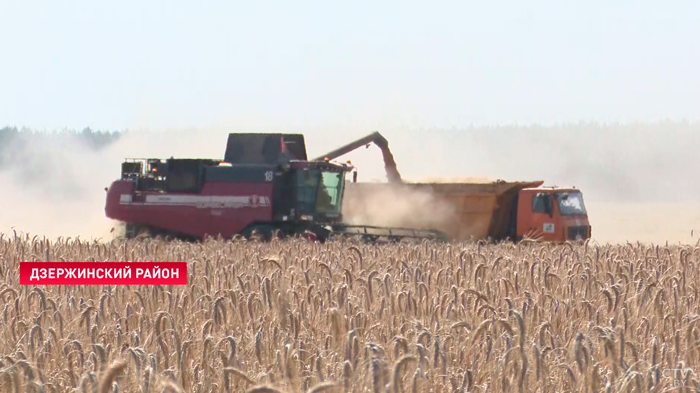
x,y
354,176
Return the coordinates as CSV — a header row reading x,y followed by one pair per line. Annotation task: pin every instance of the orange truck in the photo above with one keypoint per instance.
x,y
465,210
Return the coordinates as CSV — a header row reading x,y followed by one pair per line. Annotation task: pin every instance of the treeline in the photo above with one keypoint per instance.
x,y
14,141
93,139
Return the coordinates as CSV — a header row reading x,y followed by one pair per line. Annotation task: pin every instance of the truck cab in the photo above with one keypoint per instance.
x,y
552,214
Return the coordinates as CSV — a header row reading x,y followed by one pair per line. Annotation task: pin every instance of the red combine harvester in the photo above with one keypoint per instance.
x,y
264,185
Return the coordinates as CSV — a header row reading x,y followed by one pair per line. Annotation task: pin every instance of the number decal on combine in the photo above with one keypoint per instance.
x,y
268,176
548,227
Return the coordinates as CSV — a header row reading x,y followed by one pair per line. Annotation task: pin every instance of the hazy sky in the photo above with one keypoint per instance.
x,y
360,64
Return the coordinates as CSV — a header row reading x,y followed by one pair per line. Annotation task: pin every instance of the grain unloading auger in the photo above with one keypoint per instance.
x,y
264,185
392,171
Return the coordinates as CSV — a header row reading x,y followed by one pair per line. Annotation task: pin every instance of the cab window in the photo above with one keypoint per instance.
x,y
542,203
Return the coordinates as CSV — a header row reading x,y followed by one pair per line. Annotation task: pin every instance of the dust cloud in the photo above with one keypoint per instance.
x,y
54,185
395,205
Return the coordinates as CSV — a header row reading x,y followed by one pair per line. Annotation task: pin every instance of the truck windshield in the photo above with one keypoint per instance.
x,y
319,191
571,203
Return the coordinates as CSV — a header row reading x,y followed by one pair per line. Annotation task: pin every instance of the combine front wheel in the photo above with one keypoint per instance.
x,y
261,232
133,230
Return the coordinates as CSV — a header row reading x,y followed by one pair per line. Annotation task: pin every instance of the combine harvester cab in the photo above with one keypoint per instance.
x,y
264,185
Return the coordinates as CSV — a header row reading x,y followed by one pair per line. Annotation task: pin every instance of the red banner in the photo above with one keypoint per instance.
x,y
103,273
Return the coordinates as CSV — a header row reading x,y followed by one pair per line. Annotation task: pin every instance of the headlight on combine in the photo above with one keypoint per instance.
x,y
307,217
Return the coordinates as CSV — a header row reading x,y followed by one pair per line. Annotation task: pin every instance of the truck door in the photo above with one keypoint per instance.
x,y
537,217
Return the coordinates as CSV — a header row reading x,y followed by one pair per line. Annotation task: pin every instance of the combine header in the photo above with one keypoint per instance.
x,y
265,185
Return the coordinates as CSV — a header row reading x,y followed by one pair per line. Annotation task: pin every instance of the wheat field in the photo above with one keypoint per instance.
x,y
293,316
